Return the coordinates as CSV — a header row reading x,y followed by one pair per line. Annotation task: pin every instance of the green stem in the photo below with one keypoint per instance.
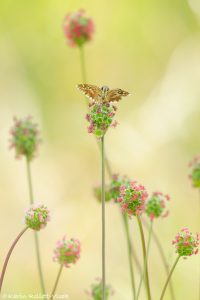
x,y
8,256
129,253
30,186
103,218
162,255
169,276
83,68
56,282
144,258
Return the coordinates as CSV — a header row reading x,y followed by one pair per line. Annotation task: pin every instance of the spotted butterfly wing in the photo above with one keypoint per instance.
x,y
116,95
90,91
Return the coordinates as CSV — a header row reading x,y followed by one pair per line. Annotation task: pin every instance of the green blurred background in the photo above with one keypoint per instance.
x,y
150,48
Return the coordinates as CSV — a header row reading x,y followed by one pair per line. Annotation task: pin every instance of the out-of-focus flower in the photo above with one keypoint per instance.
x,y
156,206
112,191
67,251
96,291
97,193
132,198
194,174
25,137
186,243
78,28
100,118
37,216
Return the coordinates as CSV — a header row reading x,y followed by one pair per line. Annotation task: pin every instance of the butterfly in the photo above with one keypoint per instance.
x,y
103,94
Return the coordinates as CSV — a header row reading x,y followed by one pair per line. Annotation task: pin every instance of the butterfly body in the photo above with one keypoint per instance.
x,y
103,94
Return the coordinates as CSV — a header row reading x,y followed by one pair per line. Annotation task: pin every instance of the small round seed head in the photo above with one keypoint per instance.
x,y
37,216
186,243
24,138
78,28
132,198
100,118
156,206
67,252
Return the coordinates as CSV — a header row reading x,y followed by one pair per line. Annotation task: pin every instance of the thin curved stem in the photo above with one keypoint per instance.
x,y
82,60
8,256
144,258
162,255
30,186
129,254
169,276
56,282
103,218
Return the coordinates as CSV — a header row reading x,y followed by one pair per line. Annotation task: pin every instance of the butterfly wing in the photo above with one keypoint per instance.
x,y
116,95
90,91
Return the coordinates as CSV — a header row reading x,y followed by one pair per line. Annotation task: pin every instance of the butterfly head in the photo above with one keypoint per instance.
x,y
104,89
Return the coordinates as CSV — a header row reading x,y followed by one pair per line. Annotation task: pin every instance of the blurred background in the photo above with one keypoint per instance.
x,y
150,48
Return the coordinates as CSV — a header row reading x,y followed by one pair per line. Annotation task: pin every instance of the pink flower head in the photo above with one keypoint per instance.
x,y
194,174
132,198
37,216
78,28
24,137
156,206
67,251
186,243
100,118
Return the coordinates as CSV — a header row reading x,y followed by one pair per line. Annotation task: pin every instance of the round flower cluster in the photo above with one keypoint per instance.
x,y
78,28
37,216
25,137
186,243
67,251
100,119
194,175
97,193
112,191
96,291
156,205
132,198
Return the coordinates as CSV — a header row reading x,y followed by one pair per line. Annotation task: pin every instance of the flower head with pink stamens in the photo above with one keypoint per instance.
x,y
25,137
156,206
37,216
132,198
186,243
67,251
194,174
100,118
78,28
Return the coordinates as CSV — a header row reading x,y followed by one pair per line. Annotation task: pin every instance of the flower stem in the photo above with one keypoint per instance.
x,y
8,256
169,276
56,282
103,218
164,260
30,186
144,257
146,260
129,253
83,68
